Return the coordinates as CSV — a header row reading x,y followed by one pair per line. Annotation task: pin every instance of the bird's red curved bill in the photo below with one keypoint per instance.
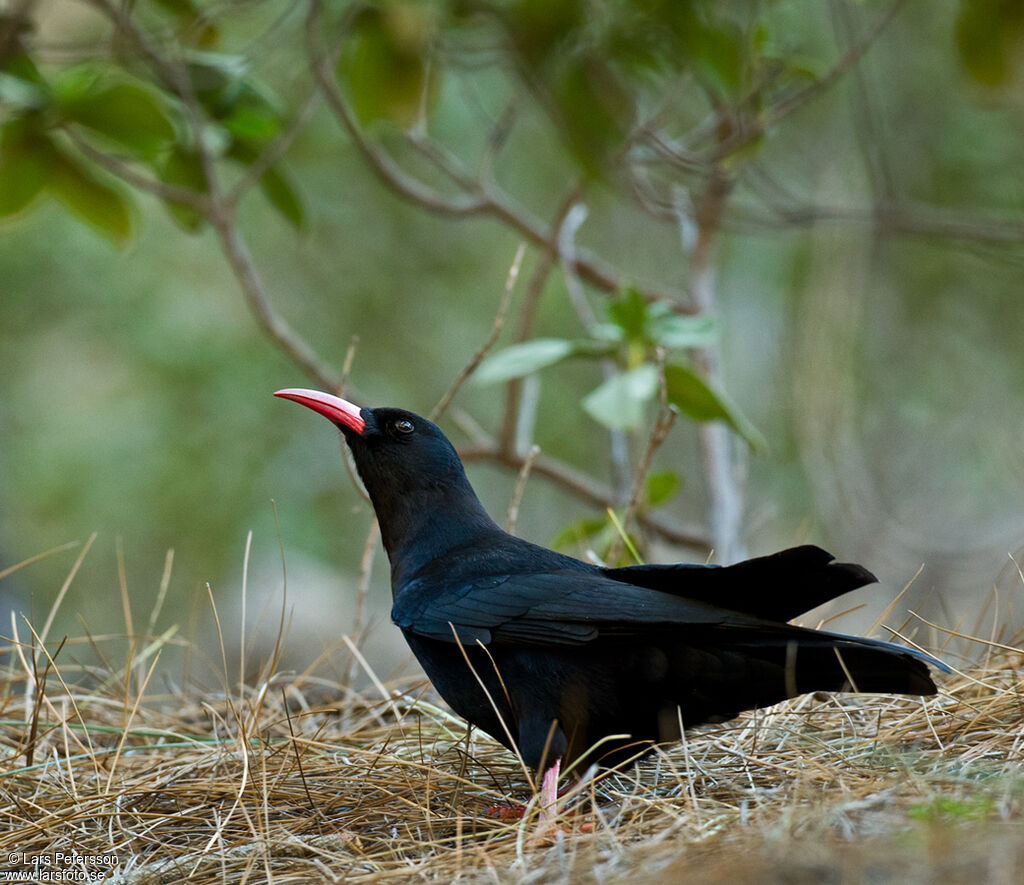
x,y
334,408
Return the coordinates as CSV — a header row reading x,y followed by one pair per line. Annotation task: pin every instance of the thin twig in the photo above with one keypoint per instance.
x,y
275,327
362,591
788,106
618,442
659,431
485,348
346,365
865,128
511,417
520,488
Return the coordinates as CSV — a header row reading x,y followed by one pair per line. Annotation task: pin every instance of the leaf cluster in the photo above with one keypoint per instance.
x,y
634,337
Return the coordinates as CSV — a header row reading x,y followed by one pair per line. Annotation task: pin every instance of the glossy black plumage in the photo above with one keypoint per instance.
x,y
554,655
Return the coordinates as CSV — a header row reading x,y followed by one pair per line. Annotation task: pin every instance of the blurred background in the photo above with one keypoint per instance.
x,y
813,210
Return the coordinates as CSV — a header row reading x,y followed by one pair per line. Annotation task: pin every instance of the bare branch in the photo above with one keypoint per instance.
x,y
801,99
380,163
545,264
484,349
618,441
483,198
588,490
725,507
517,493
910,220
362,591
659,431
282,334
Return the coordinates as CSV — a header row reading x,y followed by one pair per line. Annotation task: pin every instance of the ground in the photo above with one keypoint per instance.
x,y
297,779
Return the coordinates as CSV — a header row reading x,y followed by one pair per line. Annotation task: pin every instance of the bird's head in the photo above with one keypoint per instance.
x,y
395,451
410,469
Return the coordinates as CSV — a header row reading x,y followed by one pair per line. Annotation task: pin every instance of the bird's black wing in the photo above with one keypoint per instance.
x,y
778,587
571,608
561,607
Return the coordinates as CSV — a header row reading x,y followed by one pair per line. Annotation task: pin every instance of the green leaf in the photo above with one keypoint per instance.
x,y
283,196
595,111
26,157
222,85
183,167
75,82
619,402
677,331
17,62
21,94
125,113
385,63
524,359
274,183
659,487
540,29
252,124
607,332
691,394
629,313
92,200
196,28
990,39
577,531
718,56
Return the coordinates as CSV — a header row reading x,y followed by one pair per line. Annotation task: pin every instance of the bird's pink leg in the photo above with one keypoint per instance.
x,y
548,799
549,792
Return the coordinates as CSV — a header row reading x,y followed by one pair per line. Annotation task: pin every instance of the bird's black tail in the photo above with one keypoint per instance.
x,y
825,663
771,665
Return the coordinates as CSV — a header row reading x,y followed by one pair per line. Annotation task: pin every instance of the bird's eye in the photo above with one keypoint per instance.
x,y
403,427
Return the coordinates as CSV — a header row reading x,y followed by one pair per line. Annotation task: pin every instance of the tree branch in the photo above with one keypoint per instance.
x,y
214,206
805,96
171,193
725,509
586,489
484,349
659,432
482,199
282,334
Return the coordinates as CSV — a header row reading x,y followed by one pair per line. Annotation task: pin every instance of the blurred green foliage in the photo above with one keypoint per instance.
x,y
868,261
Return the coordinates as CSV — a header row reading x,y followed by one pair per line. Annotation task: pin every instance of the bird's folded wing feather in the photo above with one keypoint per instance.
x,y
778,587
563,608
551,608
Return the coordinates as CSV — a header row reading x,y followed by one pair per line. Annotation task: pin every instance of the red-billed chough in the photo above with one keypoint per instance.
x,y
569,661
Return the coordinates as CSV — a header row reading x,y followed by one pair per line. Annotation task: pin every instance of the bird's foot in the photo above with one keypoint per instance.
x,y
506,812
551,811
549,800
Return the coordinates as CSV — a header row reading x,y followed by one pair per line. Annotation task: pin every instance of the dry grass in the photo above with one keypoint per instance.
x,y
294,778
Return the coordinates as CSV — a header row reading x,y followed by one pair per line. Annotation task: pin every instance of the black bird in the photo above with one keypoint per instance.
x,y
568,662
